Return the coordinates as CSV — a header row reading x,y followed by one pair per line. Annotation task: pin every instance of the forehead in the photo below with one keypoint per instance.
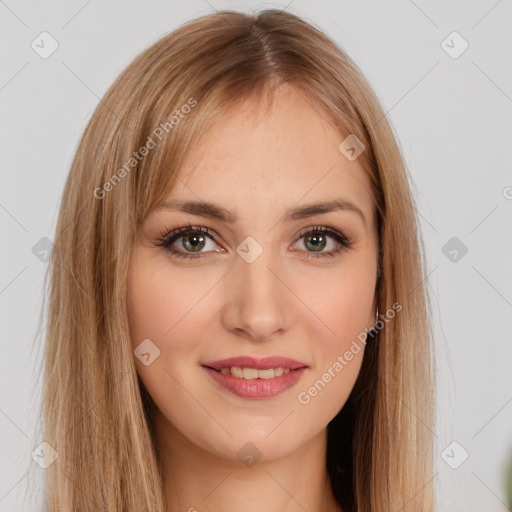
x,y
255,157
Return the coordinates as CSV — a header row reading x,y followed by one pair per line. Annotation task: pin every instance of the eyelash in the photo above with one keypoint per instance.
x,y
168,237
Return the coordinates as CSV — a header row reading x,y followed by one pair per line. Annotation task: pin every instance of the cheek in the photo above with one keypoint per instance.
x,y
168,308
161,304
325,393
339,304
338,354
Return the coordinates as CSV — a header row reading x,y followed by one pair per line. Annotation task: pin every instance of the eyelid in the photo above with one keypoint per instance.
x,y
169,236
342,240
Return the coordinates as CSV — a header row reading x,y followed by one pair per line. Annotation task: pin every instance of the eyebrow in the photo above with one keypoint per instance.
x,y
213,211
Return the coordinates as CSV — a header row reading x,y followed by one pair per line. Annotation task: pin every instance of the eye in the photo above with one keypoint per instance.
x,y
316,239
190,241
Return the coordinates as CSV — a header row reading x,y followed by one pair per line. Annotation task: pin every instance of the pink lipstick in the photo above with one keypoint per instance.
x,y
256,378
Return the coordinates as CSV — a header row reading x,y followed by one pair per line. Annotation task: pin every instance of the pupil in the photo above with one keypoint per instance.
x,y
314,239
195,241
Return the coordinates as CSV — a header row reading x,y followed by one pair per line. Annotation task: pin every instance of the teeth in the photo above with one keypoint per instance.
x,y
250,373
253,373
236,372
267,374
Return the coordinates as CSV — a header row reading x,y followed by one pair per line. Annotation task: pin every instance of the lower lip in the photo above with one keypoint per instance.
x,y
256,388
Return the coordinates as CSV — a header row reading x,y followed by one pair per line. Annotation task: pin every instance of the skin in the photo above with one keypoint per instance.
x,y
258,163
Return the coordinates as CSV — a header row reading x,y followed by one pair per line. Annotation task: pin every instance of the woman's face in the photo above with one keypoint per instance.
x,y
254,286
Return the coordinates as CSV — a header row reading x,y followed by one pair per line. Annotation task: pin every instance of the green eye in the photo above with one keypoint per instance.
x,y
315,242
189,242
194,242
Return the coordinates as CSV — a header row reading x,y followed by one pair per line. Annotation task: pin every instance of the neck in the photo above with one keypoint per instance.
x,y
198,480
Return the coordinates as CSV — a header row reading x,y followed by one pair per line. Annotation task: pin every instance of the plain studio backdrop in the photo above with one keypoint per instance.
x,y
442,71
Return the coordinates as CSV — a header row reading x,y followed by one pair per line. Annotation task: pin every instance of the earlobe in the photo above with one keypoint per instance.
x,y
372,331
376,318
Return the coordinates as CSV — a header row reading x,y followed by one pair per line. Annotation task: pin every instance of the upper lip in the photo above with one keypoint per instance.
x,y
264,363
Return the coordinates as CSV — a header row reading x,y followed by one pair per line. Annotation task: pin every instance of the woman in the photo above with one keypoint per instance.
x,y
237,312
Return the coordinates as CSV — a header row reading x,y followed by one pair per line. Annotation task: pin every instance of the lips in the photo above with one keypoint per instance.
x,y
248,377
259,364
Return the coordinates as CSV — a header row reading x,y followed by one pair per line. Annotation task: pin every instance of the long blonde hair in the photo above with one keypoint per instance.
x,y
95,410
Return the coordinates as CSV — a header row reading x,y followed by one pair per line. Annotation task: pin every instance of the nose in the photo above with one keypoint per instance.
x,y
257,303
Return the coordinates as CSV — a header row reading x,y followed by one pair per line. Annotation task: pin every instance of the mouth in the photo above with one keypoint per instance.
x,y
248,377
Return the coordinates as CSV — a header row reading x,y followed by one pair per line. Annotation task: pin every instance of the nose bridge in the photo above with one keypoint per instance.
x,y
256,301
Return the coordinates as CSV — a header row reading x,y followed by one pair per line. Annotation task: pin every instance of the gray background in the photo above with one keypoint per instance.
x,y
451,115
